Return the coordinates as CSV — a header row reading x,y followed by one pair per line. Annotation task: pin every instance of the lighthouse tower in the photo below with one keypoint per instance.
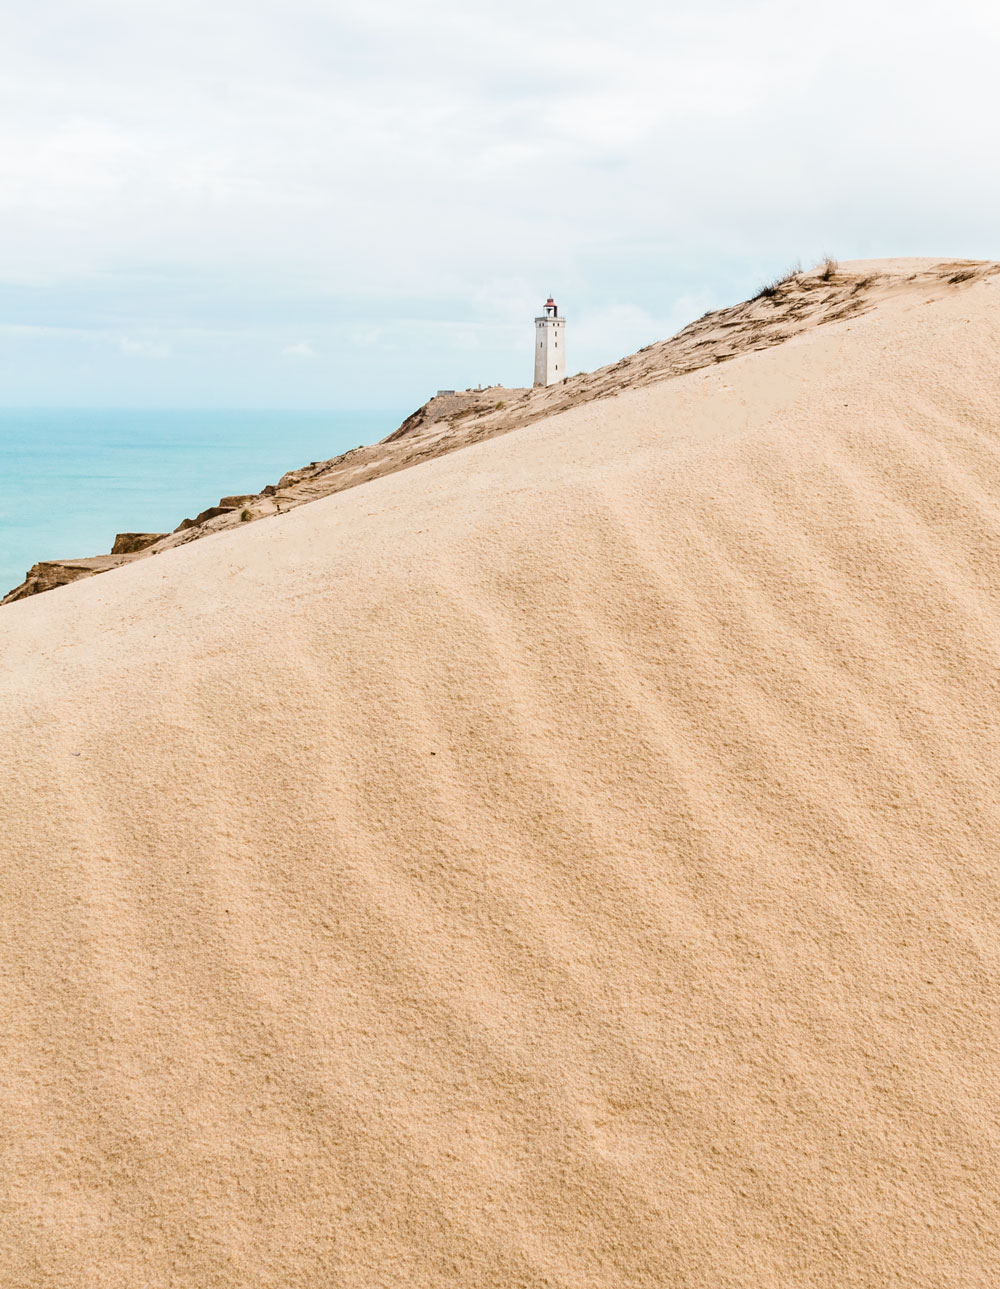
x,y
550,345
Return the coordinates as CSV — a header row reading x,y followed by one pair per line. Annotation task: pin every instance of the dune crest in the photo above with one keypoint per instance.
x,y
569,863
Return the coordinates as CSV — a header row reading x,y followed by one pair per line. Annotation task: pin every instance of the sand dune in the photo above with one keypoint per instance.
x,y
572,862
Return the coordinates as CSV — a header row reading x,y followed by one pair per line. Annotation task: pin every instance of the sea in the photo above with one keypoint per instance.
x,y
71,479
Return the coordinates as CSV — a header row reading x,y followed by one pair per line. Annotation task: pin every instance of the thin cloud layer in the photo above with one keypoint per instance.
x,y
214,177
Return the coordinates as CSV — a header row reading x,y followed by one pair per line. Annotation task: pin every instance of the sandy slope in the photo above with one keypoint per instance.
x,y
572,862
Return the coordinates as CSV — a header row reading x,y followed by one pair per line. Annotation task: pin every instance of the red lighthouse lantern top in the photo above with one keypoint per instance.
x,y
550,308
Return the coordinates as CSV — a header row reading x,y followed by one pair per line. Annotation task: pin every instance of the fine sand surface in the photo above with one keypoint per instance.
x,y
572,862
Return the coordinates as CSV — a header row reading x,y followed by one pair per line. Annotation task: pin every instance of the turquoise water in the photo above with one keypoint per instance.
x,y
71,479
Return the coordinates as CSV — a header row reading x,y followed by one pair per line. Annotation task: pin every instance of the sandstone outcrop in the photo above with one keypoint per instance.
x,y
48,574
131,543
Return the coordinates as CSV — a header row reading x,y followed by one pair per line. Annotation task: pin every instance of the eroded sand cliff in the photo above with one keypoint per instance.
x,y
798,303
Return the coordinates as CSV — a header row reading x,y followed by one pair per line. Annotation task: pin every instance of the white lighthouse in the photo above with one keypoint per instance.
x,y
550,345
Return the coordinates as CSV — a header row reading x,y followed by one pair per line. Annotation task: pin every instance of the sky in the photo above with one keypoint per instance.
x,y
351,204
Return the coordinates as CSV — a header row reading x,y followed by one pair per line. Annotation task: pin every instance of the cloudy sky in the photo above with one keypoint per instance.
x,y
349,203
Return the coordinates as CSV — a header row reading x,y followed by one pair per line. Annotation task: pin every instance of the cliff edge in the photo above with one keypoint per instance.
x,y
780,311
